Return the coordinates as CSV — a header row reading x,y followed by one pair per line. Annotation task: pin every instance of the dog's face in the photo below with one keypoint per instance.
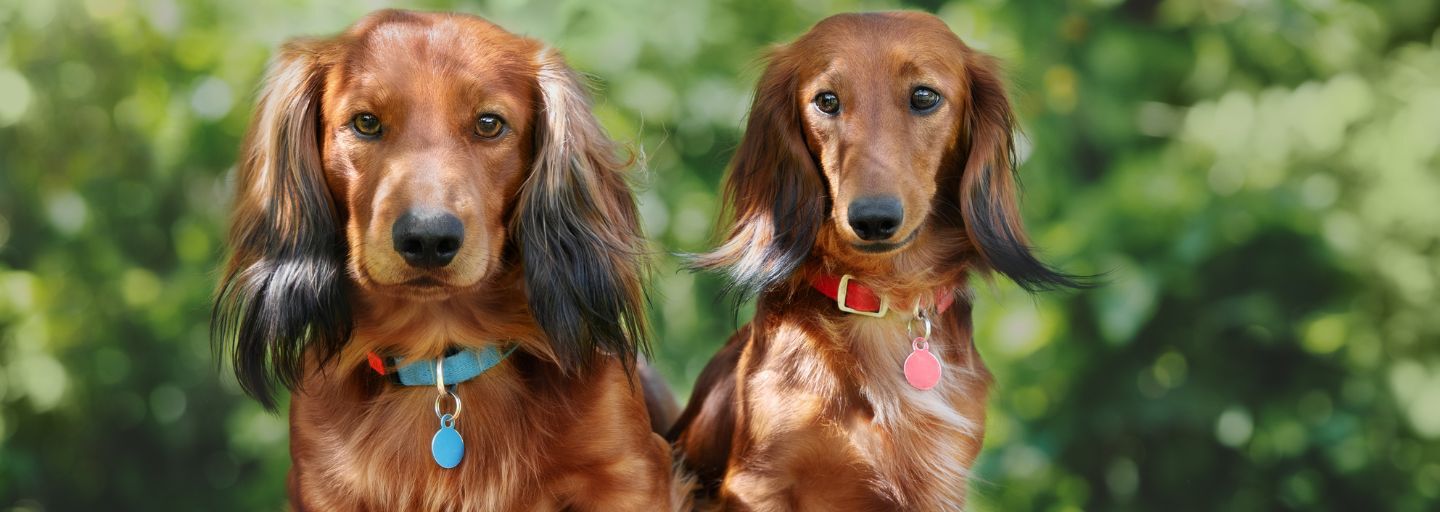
x,y
866,134
416,158
880,115
427,136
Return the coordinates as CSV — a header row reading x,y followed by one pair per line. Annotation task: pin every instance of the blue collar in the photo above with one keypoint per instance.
x,y
459,367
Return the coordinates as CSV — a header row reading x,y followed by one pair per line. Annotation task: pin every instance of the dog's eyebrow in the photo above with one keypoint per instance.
x,y
918,64
830,75
922,72
363,84
369,98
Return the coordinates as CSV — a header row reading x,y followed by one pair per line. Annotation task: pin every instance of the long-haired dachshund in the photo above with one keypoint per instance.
x,y
434,245
874,177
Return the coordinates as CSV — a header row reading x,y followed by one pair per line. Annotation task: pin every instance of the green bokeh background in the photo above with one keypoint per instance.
x,y
1258,177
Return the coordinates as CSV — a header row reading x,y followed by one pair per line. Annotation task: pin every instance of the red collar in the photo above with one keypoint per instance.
x,y
853,297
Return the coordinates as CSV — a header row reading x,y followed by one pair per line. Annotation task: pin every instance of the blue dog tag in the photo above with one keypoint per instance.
x,y
447,447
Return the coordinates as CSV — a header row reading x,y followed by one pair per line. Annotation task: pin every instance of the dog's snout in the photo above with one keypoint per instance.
x,y
876,218
427,238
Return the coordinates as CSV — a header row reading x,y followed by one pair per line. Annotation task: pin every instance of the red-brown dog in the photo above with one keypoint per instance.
x,y
425,188
874,177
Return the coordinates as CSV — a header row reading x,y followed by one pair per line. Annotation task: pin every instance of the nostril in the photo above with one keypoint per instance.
x,y
412,246
448,245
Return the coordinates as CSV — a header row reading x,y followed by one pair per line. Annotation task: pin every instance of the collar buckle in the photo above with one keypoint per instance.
x,y
844,290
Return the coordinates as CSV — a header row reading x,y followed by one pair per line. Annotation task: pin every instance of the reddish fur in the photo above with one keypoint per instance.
x,y
806,408
542,431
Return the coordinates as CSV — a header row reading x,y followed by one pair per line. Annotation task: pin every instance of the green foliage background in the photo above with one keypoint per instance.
x,y
1258,177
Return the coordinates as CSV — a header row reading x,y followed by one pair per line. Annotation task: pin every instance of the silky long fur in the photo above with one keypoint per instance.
x,y
283,291
773,194
989,191
579,232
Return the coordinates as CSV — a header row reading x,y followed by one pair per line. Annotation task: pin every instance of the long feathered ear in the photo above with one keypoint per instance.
x,y
773,192
578,230
988,187
282,293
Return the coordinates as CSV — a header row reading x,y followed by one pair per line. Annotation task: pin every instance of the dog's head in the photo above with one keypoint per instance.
x,y
865,133
414,157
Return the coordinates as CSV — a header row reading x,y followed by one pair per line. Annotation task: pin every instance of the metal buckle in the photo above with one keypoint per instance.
x,y
845,290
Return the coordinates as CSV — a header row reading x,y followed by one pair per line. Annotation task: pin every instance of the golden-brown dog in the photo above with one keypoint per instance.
x,y
421,185
874,176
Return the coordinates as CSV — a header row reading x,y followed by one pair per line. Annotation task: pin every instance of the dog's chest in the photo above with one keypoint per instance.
x,y
353,452
919,443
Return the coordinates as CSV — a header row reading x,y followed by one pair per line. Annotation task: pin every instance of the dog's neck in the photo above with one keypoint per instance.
x,y
424,329
938,259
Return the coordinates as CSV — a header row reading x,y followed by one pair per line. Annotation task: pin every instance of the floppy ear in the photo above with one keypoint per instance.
x,y
988,187
578,230
774,193
283,289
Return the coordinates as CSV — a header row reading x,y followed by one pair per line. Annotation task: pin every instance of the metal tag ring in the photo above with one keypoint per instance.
x,y
909,326
458,406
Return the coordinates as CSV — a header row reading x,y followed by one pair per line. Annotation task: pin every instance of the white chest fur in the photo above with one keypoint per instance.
x,y
920,442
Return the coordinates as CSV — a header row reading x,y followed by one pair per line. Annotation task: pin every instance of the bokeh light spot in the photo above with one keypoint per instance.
x,y
14,96
41,378
1123,478
1234,427
211,99
1325,334
139,287
67,212
167,403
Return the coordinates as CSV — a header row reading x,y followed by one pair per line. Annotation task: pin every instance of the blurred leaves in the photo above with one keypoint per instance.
x,y
1258,178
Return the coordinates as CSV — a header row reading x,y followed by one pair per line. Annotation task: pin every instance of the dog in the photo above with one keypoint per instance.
x,y
435,247
873,179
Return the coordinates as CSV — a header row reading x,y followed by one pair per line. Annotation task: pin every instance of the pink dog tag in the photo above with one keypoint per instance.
x,y
922,369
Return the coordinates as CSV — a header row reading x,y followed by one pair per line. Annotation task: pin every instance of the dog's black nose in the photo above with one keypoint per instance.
x,y
876,217
427,238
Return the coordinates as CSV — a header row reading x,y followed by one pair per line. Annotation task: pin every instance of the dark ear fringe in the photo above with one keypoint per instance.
x,y
283,291
1007,252
578,231
270,313
774,194
989,187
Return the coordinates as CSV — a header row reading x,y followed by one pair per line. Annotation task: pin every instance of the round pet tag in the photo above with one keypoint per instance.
x,y
447,447
922,369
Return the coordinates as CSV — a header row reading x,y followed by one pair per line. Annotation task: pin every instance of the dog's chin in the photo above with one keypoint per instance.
x,y
424,287
883,248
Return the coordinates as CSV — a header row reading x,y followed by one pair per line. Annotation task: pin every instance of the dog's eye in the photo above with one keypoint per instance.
x,y
366,125
827,102
924,99
489,126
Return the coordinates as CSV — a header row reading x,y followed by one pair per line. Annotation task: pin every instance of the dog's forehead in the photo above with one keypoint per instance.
x,y
886,39
414,44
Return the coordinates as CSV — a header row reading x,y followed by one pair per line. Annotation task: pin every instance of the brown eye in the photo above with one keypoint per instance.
x,y
924,99
489,126
367,125
827,102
